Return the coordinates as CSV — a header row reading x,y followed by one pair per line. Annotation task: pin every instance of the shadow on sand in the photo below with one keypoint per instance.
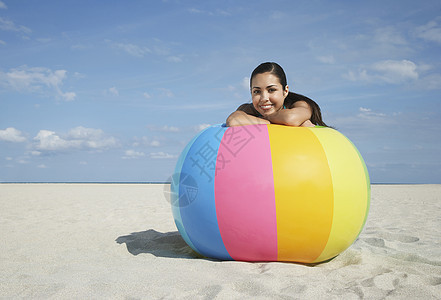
x,y
168,244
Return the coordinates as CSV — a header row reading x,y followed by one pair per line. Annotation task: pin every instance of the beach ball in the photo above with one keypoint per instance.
x,y
270,193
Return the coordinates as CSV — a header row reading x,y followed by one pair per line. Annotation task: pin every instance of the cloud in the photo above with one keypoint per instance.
x,y
79,138
217,12
11,134
25,79
132,154
390,71
389,35
175,59
201,127
165,128
245,83
368,113
147,96
114,91
327,59
167,93
3,5
7,25
162,155
430,32
134,50
145,141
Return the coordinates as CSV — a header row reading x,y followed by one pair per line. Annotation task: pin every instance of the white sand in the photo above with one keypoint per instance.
x,y
119,241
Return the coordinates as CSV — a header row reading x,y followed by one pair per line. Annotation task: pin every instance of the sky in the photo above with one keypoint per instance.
x,y
112,91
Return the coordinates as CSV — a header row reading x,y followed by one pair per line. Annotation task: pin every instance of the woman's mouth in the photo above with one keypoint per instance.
x,y
266,106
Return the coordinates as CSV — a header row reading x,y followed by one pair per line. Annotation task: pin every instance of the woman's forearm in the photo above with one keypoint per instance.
x,y
240,118
291,117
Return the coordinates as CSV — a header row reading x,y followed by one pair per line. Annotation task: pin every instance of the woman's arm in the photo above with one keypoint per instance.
x,y
244,115
298,115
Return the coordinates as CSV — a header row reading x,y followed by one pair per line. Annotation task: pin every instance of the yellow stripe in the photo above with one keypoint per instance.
x,y
350,190
303,192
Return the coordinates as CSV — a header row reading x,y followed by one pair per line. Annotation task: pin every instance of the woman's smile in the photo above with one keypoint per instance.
x,y
267,93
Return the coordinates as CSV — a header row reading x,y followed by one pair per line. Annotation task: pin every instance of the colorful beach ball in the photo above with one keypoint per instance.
x,y
270,193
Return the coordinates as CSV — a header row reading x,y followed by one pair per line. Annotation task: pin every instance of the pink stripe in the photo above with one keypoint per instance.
x,y
244,194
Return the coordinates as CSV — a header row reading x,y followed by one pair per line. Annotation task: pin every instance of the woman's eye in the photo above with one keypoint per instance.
x,y
256,92
272,90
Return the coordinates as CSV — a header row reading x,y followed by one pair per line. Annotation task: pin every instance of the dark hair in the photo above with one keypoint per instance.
x,y
272,68
316,116
277,70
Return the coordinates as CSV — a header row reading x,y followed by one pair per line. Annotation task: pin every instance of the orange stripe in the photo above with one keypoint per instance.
x,y
303,192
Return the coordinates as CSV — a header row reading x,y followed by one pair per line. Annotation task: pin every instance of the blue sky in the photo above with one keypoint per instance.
x,y
113,90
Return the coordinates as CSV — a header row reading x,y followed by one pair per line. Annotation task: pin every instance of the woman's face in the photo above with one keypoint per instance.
x,y
267,93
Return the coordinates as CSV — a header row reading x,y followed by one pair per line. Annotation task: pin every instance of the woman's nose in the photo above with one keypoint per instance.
x,y
264,96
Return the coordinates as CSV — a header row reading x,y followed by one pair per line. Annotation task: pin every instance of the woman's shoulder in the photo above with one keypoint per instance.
x,y
248,108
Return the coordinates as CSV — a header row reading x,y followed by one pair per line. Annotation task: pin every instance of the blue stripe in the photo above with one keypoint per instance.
x,y
174,194
199,215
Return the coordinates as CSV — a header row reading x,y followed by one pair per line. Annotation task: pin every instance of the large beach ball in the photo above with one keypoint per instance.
x,y
270,193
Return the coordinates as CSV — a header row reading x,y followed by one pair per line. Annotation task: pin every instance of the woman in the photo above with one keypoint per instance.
x,y
272,102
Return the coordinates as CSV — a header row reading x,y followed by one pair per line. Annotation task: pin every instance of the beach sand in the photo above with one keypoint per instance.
x,y
119,241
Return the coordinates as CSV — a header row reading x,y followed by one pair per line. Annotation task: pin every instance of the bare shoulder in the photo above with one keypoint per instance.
x,y
248,108
300,103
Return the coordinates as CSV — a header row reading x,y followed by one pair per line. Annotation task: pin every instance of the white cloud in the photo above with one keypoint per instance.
x,y
145,141
201,127
430,32
147,96
8,158
3,5
367,112
42,166
162,155
389,35
430,82
132,154
327,59
167,93
8,25
246,83
77,139
390,71
167,128
393,71
175,59
195,11
278,15
134,50
114,91
2,42
25,79
11,134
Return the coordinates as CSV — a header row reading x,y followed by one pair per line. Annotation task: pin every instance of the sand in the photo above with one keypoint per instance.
x,y
119,241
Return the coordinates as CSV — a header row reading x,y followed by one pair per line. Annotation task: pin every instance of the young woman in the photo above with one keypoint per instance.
x,y
272,102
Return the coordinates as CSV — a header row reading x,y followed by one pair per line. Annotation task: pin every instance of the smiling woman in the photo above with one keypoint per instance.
x,y
273,103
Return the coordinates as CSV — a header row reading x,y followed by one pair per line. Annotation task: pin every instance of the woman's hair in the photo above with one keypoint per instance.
x,y
273,68
316,114
277,70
